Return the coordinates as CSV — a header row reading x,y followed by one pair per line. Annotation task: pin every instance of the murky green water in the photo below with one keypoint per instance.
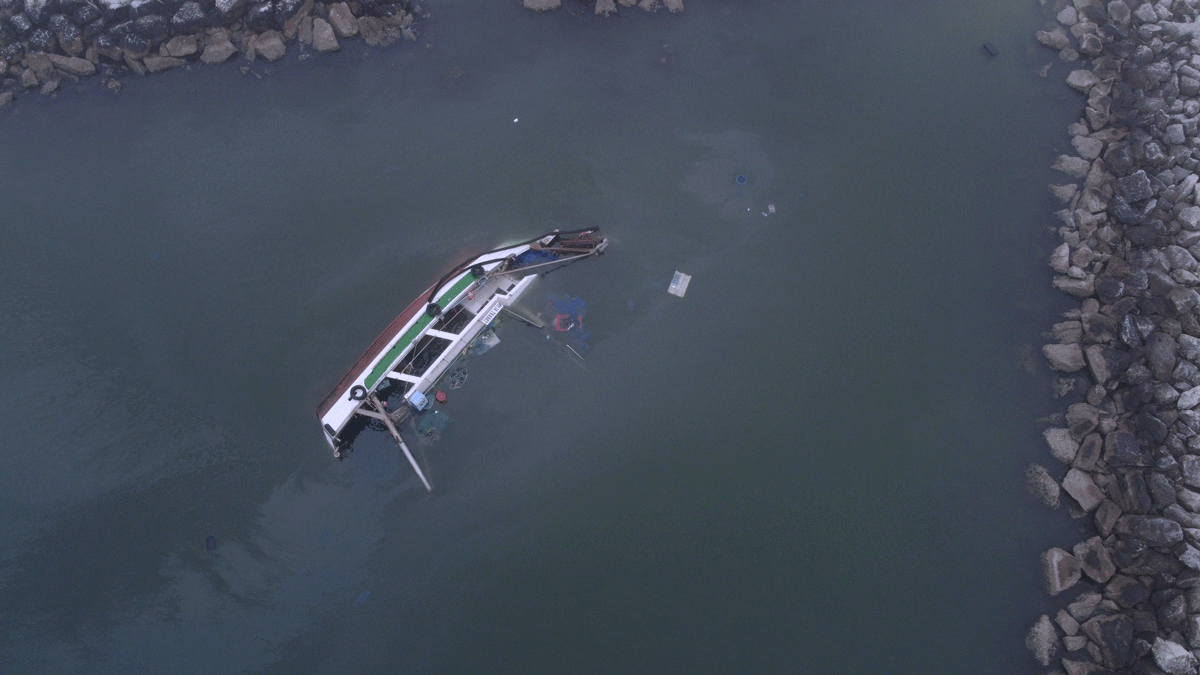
x,y
811,463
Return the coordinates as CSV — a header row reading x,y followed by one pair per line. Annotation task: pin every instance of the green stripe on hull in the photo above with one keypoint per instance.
x,y
393,354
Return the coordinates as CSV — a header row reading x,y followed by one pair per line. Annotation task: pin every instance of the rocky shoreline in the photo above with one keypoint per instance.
x,y
607,7
43,42
1128,358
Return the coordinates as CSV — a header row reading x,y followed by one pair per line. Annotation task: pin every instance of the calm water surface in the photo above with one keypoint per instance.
x,y
811,463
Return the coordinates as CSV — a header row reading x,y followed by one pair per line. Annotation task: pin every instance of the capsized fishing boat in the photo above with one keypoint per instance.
x,y
415,351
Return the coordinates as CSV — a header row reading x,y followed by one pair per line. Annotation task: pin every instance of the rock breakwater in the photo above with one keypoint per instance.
x,y
43,42
607,7
1127,448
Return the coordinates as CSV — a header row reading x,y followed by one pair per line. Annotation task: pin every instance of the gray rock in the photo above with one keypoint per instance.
x,y
1069,332
1190,557
1064,193
1084,605
342,20
674,6
1189,465
323,38
182,45
1042,485
541,5
1189,499
1060,569
1090,449
218,52
1060,258
1042,641
1145,12
1080,288
157,64
1135,187
377,32
605,7
1121,448
1190,218
1119,12
1107,515
1062,446
1189,347
1186,519
1105,362
1154,530
1188,399
1173,658
1066,622
1082,80
1191,628
1160,355
1088,148
1113,634
1126,591
1074,167
1055,39
1082,419
1174,134
1095,560
270,45
1082,489
72,65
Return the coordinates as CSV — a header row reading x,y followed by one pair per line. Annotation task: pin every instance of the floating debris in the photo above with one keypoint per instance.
x,y
679,284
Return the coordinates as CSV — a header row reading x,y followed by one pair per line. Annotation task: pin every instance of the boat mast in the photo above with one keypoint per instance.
x,y
387,420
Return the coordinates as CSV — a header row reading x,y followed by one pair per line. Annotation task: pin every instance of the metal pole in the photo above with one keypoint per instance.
x,y
400,441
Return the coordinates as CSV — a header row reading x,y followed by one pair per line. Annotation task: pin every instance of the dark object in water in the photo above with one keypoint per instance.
x,y
990,49
741,180
210,543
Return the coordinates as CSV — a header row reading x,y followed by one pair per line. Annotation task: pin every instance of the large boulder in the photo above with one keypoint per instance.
x,y
1060,569
1082,80
1189,465
190,18
1062,446
217,52
157,64
1113,634
270,45
1095,559
1173,658
1075,167
74,66
1042,641
323,39
153,27
1154,530
1064,358
542,5
1105,362
342,20
1160,355
182,45
1135,187
1042,485
1082,489
260,16
1121,448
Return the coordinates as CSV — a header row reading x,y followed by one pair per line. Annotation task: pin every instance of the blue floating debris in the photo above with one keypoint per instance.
x,y
210,543
391,168
154,255
631,305
324,536
363,597
741,180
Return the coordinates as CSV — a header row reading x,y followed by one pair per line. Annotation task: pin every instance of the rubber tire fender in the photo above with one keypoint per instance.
x,y
358,392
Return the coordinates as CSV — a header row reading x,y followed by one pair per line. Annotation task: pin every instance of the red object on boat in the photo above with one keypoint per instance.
x,y
440,396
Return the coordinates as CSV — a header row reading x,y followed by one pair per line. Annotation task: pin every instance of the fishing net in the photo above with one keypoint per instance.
x,y
458,377
569,322
429,427
532,257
